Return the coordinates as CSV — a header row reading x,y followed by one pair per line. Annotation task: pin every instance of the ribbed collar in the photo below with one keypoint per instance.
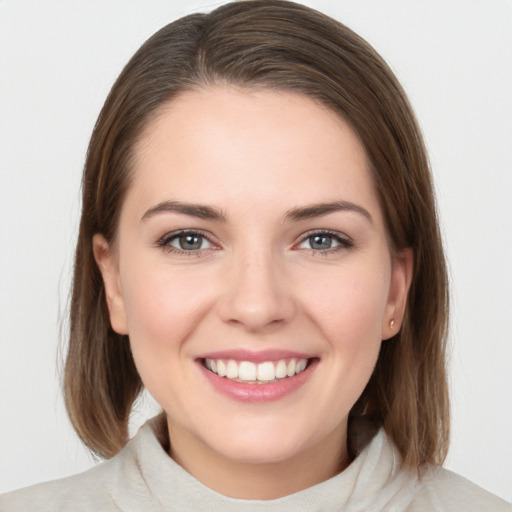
x,y
373,481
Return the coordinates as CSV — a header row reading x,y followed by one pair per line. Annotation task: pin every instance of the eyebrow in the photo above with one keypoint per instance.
x,y
194,210
295,214
321,209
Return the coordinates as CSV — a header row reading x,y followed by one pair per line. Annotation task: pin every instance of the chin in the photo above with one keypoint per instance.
x,y
264,442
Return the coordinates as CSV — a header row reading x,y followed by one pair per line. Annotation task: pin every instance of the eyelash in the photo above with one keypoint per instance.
x,y
343,242
165,242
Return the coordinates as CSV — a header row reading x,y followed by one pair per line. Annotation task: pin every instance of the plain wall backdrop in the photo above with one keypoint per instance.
x,y
58,60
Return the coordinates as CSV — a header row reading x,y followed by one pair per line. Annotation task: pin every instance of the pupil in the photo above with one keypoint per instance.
x,y
190,242
321,242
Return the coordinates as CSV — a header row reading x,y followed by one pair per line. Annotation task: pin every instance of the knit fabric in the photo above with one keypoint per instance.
x,y
142,477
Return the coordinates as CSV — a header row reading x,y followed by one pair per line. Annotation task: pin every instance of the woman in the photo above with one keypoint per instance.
x,y
259,249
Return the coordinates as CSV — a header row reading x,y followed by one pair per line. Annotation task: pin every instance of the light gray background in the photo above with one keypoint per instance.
x,y
58,61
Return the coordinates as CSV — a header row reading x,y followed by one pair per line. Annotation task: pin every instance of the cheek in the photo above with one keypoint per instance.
x,y
348,310
163,307
157,297
349,305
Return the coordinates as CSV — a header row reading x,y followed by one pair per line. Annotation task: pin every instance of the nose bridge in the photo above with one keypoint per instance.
x,y
256,293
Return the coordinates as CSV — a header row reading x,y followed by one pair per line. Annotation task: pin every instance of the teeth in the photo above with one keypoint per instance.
x,y
232,370
221,368
301,366
266,371
247,371
281,370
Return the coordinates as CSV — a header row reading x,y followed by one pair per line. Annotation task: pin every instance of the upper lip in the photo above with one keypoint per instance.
x,y
259,356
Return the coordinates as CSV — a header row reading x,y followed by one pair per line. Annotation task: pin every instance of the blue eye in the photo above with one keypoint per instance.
x,y
325,242
185,241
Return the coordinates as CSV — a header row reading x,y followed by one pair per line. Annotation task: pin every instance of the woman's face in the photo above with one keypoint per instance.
x,y
252,274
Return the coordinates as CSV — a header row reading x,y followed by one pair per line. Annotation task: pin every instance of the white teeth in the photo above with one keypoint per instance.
x,y
301,366
281,370
247,371
221,368
232,370
266,371
290,370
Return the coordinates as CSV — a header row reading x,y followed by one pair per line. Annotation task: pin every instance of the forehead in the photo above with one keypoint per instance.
x,y
250,147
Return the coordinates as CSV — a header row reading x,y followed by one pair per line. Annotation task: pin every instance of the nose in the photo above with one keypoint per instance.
x,y
256,294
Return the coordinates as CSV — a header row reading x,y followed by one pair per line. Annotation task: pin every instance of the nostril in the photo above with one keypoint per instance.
x,y
256,298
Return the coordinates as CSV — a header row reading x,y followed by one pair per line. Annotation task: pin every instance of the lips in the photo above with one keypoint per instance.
x,y
257,376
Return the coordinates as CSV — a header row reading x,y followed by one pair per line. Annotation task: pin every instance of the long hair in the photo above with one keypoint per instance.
x,y
277,45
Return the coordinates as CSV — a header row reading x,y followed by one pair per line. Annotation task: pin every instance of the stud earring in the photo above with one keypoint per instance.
x,y
392,323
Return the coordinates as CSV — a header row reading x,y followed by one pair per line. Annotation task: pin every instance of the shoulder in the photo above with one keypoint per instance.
x,y
443,490
60,494
115,484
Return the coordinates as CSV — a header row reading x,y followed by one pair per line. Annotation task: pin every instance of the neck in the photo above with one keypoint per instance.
x,y
259,481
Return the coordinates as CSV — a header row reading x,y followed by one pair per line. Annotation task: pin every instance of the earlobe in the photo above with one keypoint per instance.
x,y
109,268
401,277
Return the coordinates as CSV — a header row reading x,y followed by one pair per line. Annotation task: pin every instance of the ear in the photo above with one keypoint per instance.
x,y
108,264
401,277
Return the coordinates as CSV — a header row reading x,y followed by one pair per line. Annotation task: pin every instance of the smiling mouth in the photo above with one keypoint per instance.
x,y
248,372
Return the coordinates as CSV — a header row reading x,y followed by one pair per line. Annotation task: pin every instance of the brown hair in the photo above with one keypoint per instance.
x,y
277,45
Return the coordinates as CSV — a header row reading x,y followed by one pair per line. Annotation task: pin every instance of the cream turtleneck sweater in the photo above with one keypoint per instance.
x,y
143,478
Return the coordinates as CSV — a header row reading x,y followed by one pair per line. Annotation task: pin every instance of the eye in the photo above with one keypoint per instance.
x,y
325,241
190,242
185,242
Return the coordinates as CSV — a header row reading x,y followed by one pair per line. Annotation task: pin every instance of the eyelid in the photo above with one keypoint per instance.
x,y
164,241
344,241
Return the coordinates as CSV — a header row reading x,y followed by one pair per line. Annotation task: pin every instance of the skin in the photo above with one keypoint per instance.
x,y
256,283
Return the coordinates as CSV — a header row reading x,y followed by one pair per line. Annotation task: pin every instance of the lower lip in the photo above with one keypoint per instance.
x,y
258,393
